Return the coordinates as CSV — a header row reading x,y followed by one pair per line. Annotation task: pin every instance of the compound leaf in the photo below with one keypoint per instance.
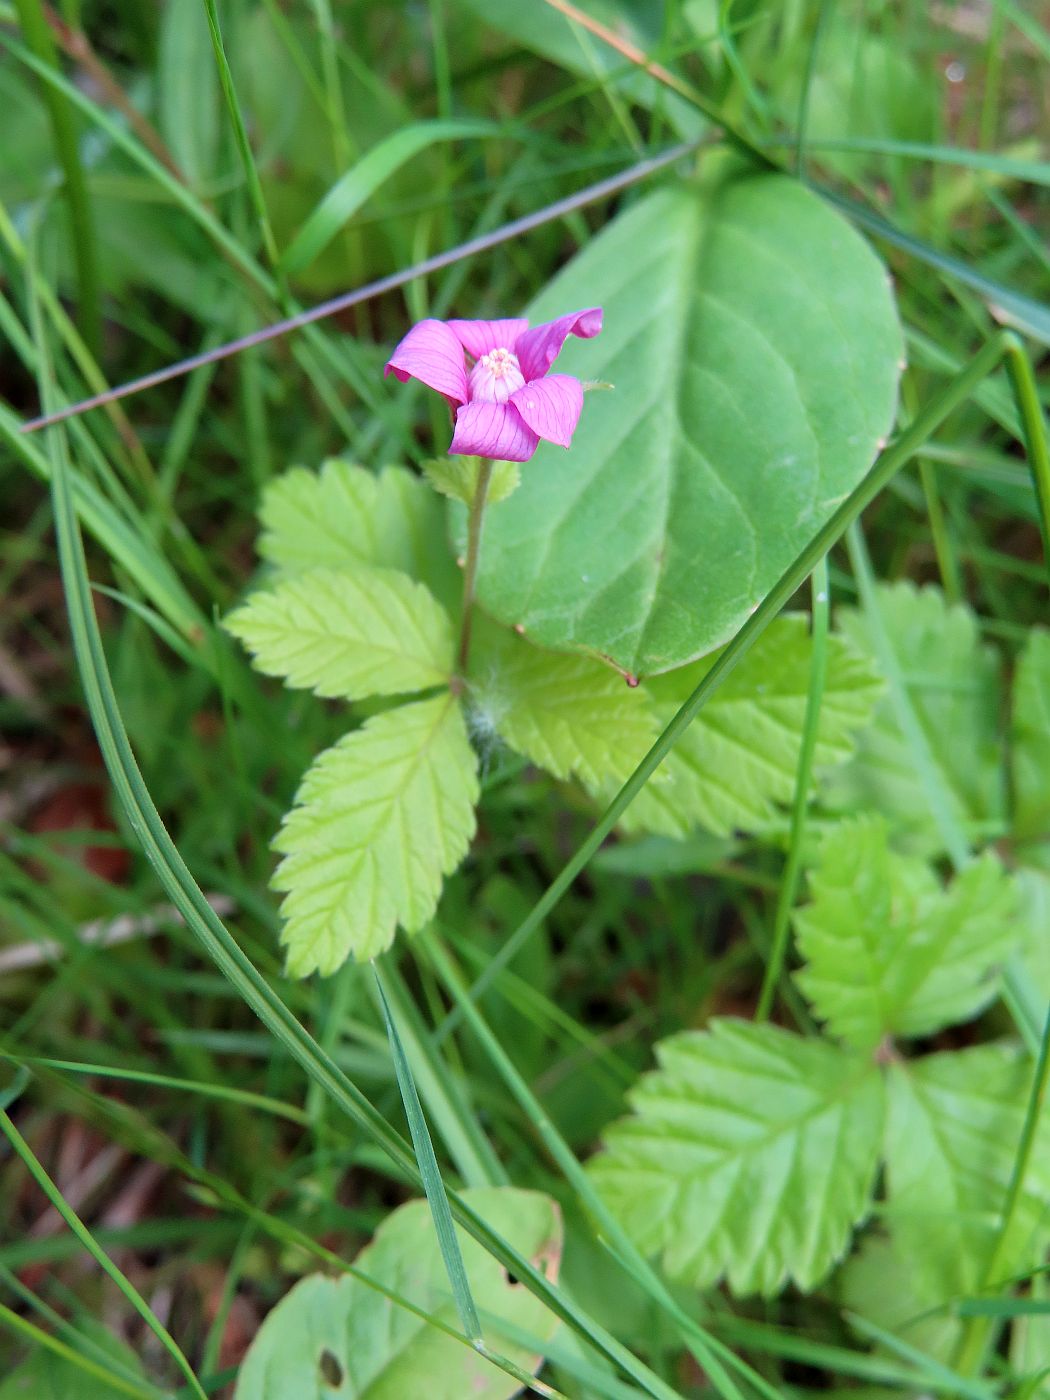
x,y
346,515
952,683
378,821
738,758
568,714
888,951
953,1129
751,1154
350,632
339,1337
754,344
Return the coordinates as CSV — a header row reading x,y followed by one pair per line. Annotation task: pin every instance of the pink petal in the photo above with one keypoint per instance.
x,y
492,430
479,337
539,348
551,406
432,354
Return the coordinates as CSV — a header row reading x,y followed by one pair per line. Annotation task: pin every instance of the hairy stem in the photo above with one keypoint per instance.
x,y
470,569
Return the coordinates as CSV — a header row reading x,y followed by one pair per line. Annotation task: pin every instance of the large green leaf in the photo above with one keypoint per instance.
x,y
568,714
888,951
344,514
351,632
751,1153
953,1130
738,758
380,818
952,683
754,345
339,1338
1031,740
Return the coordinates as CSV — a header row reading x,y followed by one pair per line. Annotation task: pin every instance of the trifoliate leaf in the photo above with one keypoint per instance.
x,y
344,514
952,683
738,758
569,714
1031,740
751,1154
888,951
457,478
350,632
953,1131
379,819
337,1337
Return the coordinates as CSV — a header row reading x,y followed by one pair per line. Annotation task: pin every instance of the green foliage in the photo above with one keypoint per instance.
x,y
44,1375
379,819
655,934
1030,751
338,1336
345,514
457,478
751,1154
738,758
188,95
568,714
953,1125
888,951
350,632
1033,887
881,1284
745,408
952,682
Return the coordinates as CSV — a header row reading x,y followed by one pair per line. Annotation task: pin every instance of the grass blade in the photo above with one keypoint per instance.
x,y
430,1172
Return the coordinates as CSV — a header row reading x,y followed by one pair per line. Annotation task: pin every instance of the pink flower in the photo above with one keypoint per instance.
x,y
504,401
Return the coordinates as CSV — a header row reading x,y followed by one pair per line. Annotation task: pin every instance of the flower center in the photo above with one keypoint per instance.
x,y
496,376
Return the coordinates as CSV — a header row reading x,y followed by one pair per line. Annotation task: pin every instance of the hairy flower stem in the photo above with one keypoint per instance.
x,y
470,568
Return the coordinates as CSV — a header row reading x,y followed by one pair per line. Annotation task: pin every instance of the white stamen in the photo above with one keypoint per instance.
x,y
496,376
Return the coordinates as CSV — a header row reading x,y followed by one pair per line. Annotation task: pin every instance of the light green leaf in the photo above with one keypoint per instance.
x,y
337,1337
952,681
569,714
379,819
880,1283
350,632
888,951
751,1154
457,478
738,758
953,1130
1031,739
746,407
344,514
